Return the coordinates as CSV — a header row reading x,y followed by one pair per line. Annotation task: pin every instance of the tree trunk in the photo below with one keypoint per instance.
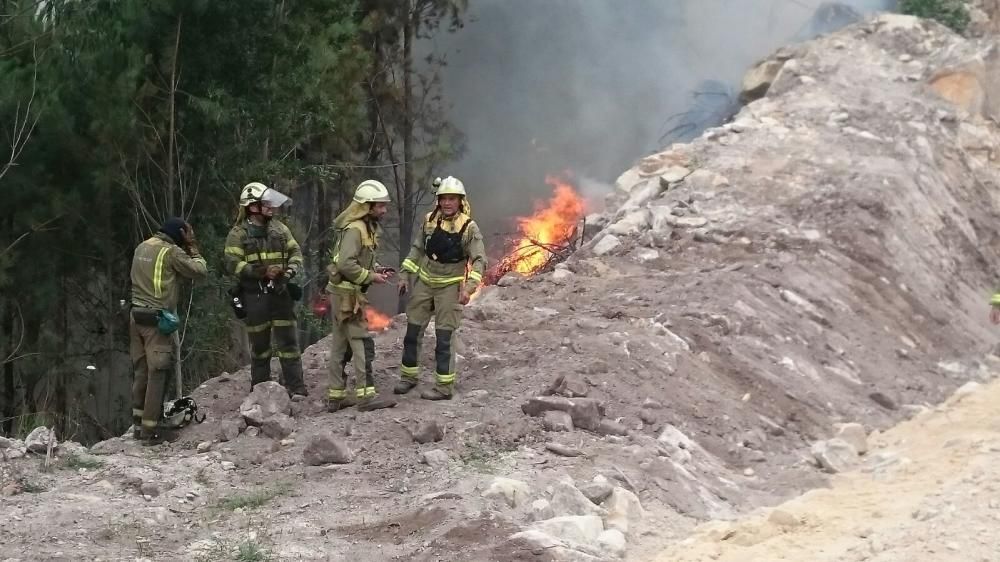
x,y
172,136
407,209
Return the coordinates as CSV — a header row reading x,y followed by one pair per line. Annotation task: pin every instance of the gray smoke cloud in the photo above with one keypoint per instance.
x,y
543,86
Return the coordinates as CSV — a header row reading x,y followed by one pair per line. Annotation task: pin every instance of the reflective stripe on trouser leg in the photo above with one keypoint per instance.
x,y
286,341
412,342
258,326
444,356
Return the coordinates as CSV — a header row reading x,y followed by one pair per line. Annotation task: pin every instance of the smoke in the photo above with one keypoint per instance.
x,y
542,86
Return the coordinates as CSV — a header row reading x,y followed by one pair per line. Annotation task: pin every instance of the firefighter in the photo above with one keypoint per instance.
x,y
265,258
158,265
353,271
443,269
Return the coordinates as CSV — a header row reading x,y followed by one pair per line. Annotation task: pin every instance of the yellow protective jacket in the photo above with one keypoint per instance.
x,y
250,249
157,265
419,265
355,256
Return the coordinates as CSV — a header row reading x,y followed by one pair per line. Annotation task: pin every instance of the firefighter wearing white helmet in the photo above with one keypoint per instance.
x,y
263,256
443,269
353,270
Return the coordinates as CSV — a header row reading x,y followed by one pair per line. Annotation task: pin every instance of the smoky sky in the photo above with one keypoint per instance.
x,y
591,86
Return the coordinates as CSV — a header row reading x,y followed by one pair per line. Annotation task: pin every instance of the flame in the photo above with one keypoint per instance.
x,y
551,227
377,321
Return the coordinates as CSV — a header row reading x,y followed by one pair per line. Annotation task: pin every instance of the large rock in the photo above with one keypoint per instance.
x,y
541,509
325,448
634,222
607,244
267,399
538,405
579,529
278,426
510,491
38,440
624,510
557,421
597,490
569,386
568,500
230,430
835,455
428,432
613,542
435,459
758,79
855,435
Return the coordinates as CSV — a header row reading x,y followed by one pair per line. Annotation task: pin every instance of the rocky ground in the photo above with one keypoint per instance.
x,y
928,490
825,258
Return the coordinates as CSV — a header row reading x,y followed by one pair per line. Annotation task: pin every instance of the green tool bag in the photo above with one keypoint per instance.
x,y
167,322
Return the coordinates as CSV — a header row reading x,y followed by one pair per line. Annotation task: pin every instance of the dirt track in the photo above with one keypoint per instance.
x,y
929,491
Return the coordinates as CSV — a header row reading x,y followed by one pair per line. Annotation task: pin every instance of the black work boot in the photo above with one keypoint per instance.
x,y
437,392
404,386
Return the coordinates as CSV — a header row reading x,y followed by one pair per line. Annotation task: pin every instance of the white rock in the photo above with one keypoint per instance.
x,y
642,194
855,435
628,180
538,540
689,222
675,437
204,446
267,399
633,222
966,389
568,500
435,458
674,174
624,510
612,542
835,455
647,255
541,509
561,274
661,218
228,465
581,529
512,492
38,440
607,244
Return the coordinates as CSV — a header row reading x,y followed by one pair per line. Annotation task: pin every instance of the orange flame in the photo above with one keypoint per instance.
x,y
552,226
377,321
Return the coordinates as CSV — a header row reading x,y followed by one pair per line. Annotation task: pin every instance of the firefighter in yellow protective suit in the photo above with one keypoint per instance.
x,y
443,269
158,265
264,257
353,271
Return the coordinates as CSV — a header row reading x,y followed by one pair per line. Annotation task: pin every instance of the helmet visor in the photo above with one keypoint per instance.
x,y
274,198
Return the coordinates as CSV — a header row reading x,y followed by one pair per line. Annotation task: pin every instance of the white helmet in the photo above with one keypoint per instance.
x,y
371,191
449,186
256,192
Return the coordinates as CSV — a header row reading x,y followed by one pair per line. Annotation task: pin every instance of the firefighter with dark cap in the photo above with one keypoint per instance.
x,y
264,257
353,271
158,265
443,269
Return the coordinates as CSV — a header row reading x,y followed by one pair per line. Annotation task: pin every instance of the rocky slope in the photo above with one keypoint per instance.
x,y
826,257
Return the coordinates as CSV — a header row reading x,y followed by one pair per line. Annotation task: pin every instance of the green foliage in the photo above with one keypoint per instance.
x,y
137,110
76,462
952,13
254,499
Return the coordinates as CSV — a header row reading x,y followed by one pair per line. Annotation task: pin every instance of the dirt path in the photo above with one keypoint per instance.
x,y
930,490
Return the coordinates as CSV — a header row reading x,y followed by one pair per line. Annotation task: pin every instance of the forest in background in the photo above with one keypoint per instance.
x,y
116,114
